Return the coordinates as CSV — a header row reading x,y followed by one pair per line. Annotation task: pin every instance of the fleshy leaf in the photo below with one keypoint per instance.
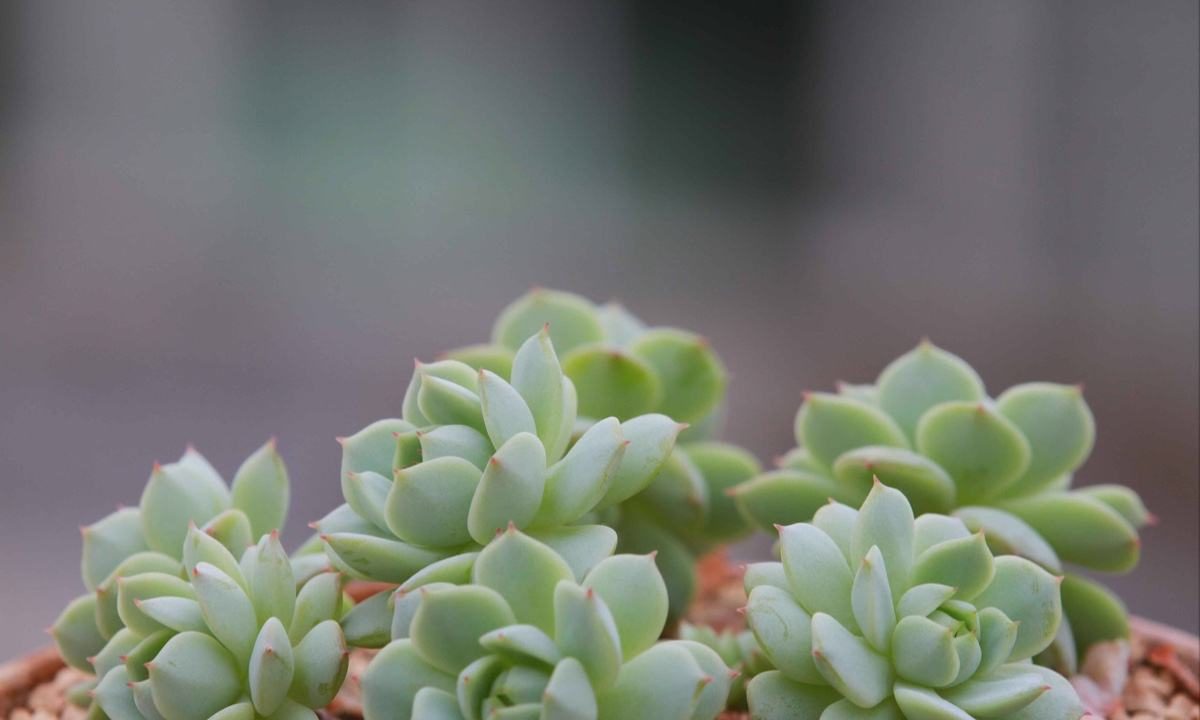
x,y
922,378
569,694
997,697
782,629
429,502
260,489
817,571
510,490
232,529
926,485
662,683
115,697
1125,501
772,696
1059,700
394,677
369,623
227,610
677,497
965,564
525,573
271,667
573,320
133,589
193,677
175,495
829,425
871,600
1081,529
636,595
200,547
923,652
374,447
718,681
485,356
321,660
651,440
178,614
584,629
379,558
612,382
765,573
505,412
690,375
448,624
522,643
455,570
273,586
1008,534
107,542
577,482
921,600
75,633
1028,595
981,449
787,496
458,441
848,663
997,637
538,377
723,467
885,520
1059,426
319,600
1095,613
919,702
582,546
434,704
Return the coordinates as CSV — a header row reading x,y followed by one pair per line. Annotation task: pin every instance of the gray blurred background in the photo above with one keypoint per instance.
x,y
227,220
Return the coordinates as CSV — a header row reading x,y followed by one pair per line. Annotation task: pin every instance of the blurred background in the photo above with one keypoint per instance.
x,y
228,220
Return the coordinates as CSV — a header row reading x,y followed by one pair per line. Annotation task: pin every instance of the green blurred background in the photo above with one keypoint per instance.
x,y
226,220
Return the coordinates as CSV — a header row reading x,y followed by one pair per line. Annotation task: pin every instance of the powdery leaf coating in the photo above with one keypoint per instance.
x,y
927,427
944,636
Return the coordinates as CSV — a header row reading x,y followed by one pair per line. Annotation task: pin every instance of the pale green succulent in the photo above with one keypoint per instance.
x,y
473,453
149,538
622,368
928,428
525,640
872,614
236,641
738,649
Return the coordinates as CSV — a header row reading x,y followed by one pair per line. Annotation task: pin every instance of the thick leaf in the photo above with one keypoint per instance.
x,y
766,573
783,631
232,529
1008,534
921,600
997,638
1095,613
1125,501
582,546
448,624
924,653
569,694
651,439
837,521
319,600
525,573
369,623
475,685
723,467
176,495
272,584
227,610
782,497
486,356
922,378
573,320
846,710
1059,426
612,382
457,441
137,660
261,490
522,644
817,572
538,377
640,536
965,564
380,559
510,490
829,425
885,520
271,667
575,484
662,683
1059,701
871,600
110,656
394,677
981,449
455,570
178,614
108,618
109,541
998,697
135,588
200,547
926,485
933,529
772,696
1081,529
677,497
75,633
848,663
584,629
434,704
919,702
321,660
690,374
429,502
452,371
636,595
719,679
505,412
193,677
1028,595
115,697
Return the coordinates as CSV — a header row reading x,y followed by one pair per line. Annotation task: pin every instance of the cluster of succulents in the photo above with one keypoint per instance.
x,y
872,614
532,521
622,368
524,638
928,428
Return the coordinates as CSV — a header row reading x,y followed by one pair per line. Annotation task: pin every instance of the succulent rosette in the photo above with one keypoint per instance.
x,y
235,641
872,614
622,368
738,649
525,640
473,453
149,538
928,428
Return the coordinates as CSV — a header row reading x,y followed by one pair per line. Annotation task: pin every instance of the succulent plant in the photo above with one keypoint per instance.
x,y
622,368
473,453
525,640
738,649
872,614
1004,466
236,641
150,537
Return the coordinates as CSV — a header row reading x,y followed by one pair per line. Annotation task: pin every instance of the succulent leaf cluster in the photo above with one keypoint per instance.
x,y
473,453
525,639
234,641
928,428
622,368
874,614
149,538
